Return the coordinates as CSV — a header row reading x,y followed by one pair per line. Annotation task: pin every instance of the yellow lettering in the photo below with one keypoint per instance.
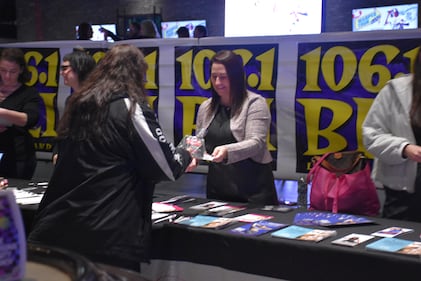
x,y
270,146
363,106
312,60
189,112
267,61
151,100
348,69
151,72
50,117
98,56
32,69
186,69
367,70
198,69
341,112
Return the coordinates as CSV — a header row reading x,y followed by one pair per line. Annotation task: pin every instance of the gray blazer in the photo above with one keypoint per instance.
x,y
250,128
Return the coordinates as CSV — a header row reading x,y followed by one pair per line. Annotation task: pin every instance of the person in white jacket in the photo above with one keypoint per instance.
x,y
392,133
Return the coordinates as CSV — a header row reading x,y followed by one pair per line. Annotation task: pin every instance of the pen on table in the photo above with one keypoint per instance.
x,y
168,218
174,199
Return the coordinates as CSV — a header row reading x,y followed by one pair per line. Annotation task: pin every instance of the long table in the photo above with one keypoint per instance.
x,y
187,253
177,248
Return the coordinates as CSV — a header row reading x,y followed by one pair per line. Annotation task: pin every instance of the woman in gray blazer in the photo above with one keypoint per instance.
x,y
237,124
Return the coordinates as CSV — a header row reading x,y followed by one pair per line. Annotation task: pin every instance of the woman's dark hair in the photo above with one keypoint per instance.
x,y
415,112
81,62
235,70
135,26
200,31
84,31
183,32
122,71
17,56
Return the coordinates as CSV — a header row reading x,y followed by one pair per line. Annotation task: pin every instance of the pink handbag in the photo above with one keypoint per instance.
x,y
341,183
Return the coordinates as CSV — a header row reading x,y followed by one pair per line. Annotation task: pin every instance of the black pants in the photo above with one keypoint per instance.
x,y
402,205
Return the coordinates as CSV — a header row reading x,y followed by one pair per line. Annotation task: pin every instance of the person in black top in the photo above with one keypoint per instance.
x,y
84,31
75,69
200,31
133,33
112,152
183,32
19,112
236,122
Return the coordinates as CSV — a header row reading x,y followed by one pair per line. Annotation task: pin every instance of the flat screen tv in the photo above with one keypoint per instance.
x,y
97,34
272,17
128,19
169,28
385,18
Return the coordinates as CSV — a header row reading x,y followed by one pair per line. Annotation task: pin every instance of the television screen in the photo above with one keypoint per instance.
x,y
385,18
97,34
169,28
128,19
272,17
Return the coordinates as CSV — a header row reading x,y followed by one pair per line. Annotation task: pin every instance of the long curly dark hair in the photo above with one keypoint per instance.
x,y
121,71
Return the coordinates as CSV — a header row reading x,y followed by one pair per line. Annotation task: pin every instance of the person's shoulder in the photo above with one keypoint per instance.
x,y
206,103
29,88
404,79
407,78
257,103
401,84
29,91
255,97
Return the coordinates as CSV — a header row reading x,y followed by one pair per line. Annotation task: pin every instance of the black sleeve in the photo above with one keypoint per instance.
x,y
167,162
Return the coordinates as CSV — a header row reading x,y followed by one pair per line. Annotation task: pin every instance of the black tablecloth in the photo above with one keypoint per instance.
x,y
285,258
276,257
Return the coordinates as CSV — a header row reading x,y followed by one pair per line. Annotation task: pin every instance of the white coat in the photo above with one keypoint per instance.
x,y
386,132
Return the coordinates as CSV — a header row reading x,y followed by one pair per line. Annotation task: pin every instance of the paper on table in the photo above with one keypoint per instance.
x,y
26,198
165,207
29,201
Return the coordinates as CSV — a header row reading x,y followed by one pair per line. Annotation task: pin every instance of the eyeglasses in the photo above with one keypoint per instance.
x,y
64,67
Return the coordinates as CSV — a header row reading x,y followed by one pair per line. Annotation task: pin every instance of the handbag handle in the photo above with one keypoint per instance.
x,y
331,168
318,163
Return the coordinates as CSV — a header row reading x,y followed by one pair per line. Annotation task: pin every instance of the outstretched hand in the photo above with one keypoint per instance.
x,y
219,154
193,164
3,183
412,152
